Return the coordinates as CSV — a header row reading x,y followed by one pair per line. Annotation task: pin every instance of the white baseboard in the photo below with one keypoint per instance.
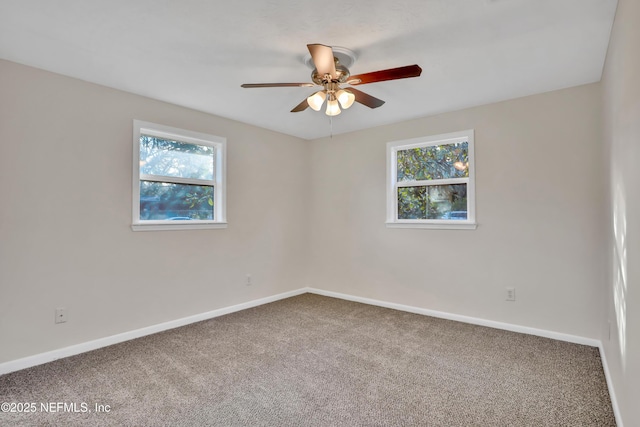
x,y
612,392
492,324
38,359
465,319
50,356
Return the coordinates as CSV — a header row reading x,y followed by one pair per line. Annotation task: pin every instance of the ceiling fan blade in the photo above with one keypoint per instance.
x,y
366,99
323,59
252,85
382,75
300,107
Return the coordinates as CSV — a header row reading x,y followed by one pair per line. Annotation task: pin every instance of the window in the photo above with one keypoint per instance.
x,y
430,182
178,178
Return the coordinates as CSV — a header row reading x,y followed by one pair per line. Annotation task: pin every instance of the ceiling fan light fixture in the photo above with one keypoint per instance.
x,y
331,69
316,100
345,98
333,109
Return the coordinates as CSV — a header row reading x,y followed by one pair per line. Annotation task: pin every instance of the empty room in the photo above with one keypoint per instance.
x,y
339,213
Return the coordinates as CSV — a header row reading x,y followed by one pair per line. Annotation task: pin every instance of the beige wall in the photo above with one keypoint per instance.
x,y
621,90
66,237
539,209
65,215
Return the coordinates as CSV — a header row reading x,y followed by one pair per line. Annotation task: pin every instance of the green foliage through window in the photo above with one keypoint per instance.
x,y
161,201
433,162
433,202
175,159
431,182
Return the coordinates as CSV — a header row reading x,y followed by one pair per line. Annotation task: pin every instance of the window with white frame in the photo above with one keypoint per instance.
x,y
178,178
430,182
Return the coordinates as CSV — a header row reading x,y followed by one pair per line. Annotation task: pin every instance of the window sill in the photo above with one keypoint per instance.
x,y
171,227
435,225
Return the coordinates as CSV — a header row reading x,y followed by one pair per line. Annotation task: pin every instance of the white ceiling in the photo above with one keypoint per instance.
x,y
197,53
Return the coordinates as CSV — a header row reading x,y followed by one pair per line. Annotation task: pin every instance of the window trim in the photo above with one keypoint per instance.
x,y
218,182
392,184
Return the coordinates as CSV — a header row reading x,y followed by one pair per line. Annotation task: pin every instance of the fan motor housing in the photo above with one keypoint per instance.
x,y
342,74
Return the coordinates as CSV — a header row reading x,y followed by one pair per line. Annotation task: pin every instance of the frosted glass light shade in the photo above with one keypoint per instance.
x,y
345,98
333,109
316,100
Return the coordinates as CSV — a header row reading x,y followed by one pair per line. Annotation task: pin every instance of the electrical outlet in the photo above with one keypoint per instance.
x,y
248,281
511,294
61,315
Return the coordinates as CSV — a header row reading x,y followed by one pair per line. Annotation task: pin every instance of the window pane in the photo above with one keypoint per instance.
x,y
173,158
161,201
434,162
433,202
412,203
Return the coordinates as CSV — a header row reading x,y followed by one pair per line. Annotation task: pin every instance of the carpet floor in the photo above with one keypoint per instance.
x,y
317,361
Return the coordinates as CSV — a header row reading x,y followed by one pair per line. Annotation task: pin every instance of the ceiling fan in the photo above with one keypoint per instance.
x,y
330,74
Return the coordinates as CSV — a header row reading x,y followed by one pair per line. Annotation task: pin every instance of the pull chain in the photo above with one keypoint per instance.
x,y
331,126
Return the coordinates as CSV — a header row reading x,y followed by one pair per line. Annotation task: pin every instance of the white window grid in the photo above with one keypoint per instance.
x,y
218,182
393,185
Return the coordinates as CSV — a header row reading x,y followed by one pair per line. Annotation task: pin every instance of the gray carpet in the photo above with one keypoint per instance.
x,y
317,361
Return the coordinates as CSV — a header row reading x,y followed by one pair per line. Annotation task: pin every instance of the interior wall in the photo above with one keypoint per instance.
x,y
65,216
621,100
539,195
65,186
